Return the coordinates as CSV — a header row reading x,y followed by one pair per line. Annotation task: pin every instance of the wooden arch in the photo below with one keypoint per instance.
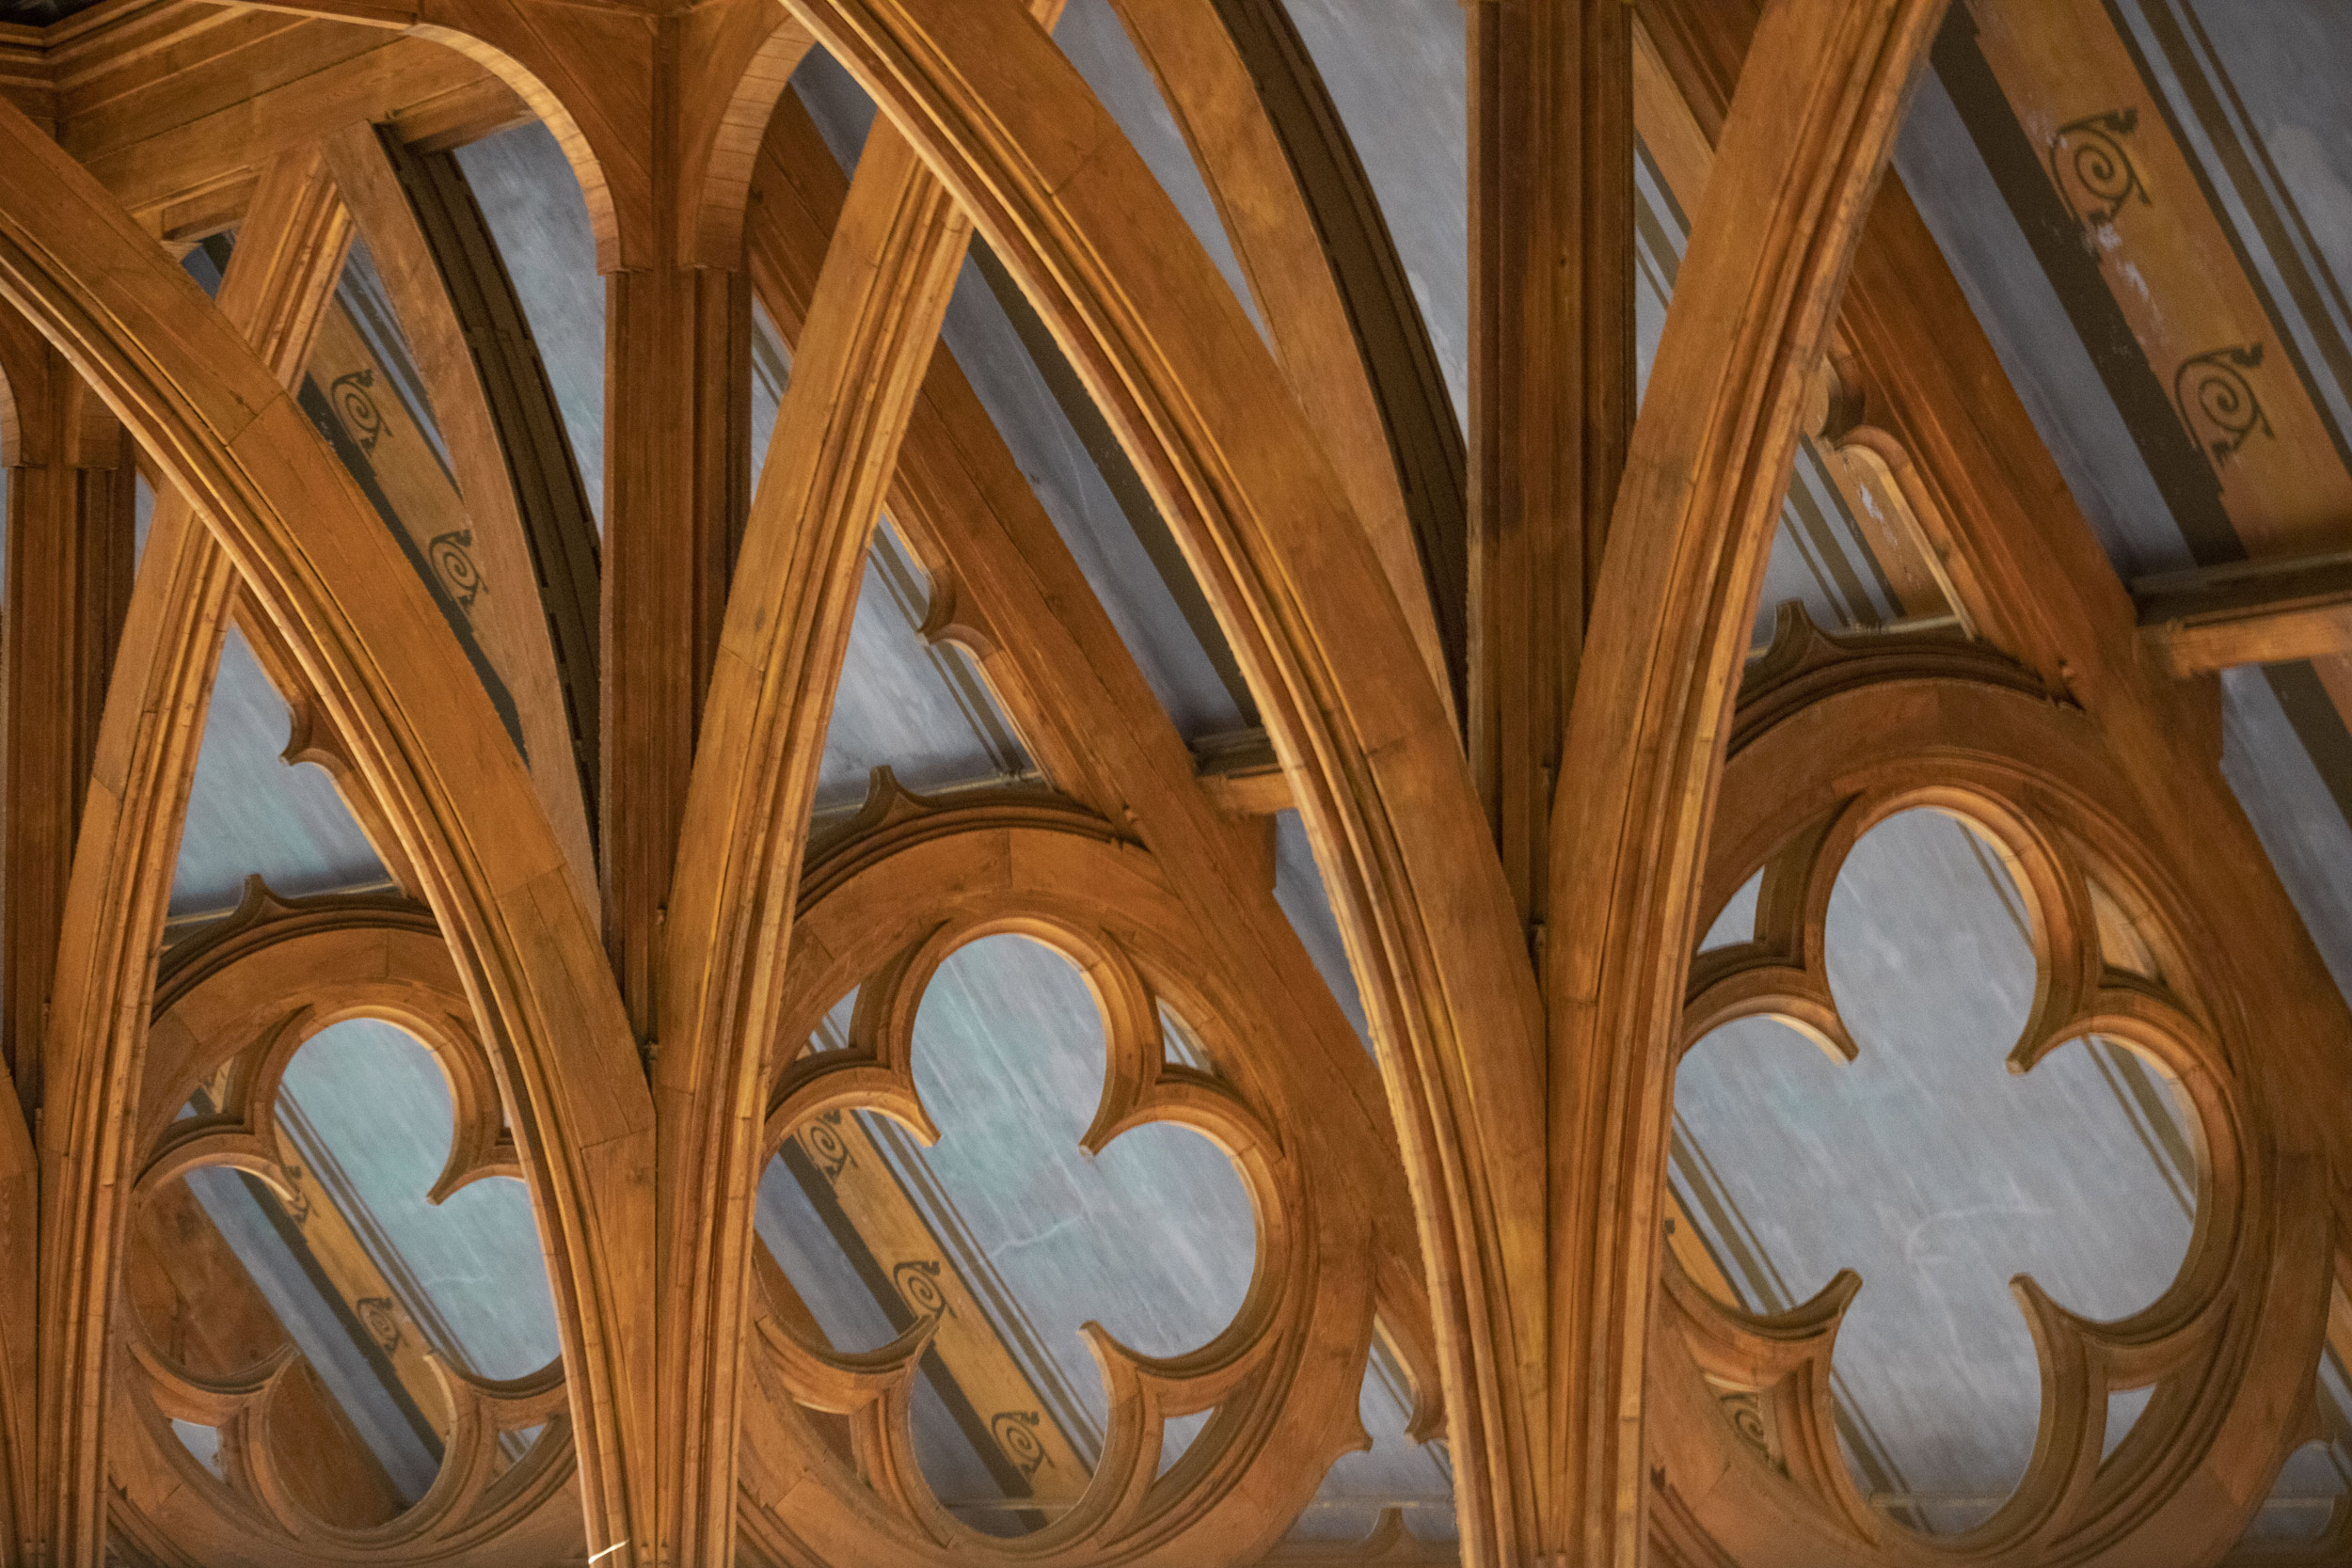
x,y
303,544
1069,208
1526,1074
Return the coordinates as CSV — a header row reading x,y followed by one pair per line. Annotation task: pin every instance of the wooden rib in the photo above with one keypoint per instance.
x,y
875,320
2257,613
1551,388
278,290
1184,380
1316,253
1808,134
316,560
531,528
1074,694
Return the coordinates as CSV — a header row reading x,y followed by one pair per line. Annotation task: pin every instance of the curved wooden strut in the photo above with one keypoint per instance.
x,y
1530,1100
317,562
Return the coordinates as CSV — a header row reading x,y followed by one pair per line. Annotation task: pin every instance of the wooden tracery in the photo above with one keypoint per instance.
x,y
881,912
226,1015
223,431
645,1075
1835,734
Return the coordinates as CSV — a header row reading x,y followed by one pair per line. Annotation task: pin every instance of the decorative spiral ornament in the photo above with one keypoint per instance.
x,y
355,408
297,1208
2217,403
454,560
918,1281
381,1319
1746,1409
823,1141
2100,166
1015,1431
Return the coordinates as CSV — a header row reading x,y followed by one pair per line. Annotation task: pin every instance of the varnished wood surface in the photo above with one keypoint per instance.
x,y
1491,1192
1803,143
215,394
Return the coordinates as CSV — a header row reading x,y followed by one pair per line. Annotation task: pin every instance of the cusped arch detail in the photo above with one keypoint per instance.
x,y
316,562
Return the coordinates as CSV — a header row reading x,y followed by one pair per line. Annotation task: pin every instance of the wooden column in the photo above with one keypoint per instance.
x,y
1551,385
69,556
677,483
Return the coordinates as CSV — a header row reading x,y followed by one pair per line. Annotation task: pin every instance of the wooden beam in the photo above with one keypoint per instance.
x,y
1242,776
235,104
1552,387
2268,612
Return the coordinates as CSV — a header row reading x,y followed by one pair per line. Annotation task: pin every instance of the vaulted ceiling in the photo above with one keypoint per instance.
x,y
2006,1004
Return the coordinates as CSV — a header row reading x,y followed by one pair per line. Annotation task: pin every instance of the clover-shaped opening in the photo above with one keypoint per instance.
x,y
1929,1168
314,1325
1005,1238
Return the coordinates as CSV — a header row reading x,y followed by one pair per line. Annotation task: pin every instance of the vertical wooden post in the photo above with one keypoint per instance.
x,y
1551,385
678,488
70,559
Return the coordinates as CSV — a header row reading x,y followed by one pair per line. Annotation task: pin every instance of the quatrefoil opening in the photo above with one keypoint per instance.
x,y
337,1318
992,1156
2031,1244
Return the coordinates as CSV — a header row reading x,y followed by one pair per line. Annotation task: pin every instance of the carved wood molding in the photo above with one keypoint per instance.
x,y
2126,951
1183,379
881,912
316,562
